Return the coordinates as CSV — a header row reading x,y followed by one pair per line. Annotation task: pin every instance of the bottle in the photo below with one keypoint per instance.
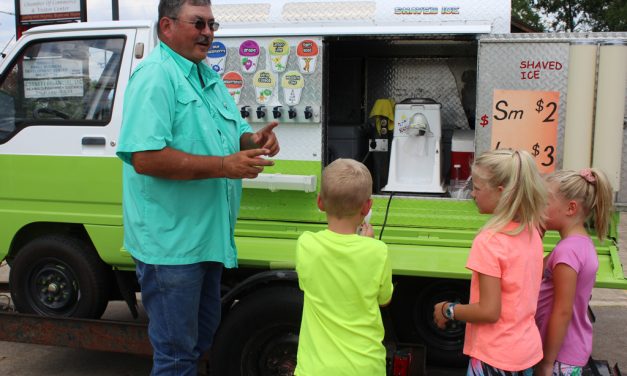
x,y
456,186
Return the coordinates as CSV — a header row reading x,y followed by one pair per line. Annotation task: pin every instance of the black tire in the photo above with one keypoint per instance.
x,y
59,276
259,336
413,312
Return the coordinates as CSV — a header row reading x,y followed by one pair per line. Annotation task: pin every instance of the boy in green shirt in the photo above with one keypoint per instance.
x,y
345,278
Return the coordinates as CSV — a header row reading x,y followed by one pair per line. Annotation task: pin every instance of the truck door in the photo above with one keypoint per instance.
x,y
60,178
58,107
60,113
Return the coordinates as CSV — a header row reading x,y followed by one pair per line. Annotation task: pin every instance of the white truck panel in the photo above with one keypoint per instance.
x,y
297,17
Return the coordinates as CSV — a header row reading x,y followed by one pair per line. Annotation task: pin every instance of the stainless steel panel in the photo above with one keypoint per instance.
x,y
401,78
500,68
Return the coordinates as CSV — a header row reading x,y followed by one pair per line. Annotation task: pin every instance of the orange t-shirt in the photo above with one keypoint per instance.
x,y
512,343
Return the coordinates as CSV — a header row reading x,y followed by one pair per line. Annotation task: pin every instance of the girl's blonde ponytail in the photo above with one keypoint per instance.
x,y
523,198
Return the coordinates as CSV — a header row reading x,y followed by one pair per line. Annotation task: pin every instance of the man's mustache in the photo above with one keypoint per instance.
x,y
202,39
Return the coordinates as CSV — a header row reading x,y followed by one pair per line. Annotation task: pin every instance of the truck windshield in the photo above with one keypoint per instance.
x,y
60,82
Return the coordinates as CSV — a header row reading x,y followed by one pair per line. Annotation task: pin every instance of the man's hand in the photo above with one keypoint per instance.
x,y
245,164
266,139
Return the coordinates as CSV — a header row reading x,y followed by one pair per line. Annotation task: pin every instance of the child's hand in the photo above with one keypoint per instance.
x,y
543,368
365,229
438,317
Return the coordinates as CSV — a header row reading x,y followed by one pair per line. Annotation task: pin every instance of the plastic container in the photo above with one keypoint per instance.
x,y
462,152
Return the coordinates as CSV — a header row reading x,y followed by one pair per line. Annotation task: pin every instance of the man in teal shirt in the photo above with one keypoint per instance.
x,y
185,149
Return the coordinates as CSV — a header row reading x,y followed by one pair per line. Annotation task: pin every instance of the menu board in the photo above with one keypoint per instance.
x,y
526,120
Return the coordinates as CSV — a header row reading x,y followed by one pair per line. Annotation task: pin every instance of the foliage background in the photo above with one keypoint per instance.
x,y
572,15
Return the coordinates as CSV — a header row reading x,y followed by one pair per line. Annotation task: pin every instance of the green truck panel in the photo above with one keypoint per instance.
x,y
427,237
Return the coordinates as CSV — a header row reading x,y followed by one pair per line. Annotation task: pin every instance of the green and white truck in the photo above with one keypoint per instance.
x,y
413,91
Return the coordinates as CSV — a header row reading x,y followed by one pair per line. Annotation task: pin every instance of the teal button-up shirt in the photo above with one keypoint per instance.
x,y
173,222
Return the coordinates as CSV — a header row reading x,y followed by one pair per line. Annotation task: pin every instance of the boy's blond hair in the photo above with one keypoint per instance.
x,y
346,185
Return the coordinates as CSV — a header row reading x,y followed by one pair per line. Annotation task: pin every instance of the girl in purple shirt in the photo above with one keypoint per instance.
x,y
570,269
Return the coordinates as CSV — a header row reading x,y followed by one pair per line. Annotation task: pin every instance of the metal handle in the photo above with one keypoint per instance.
x,y
94,141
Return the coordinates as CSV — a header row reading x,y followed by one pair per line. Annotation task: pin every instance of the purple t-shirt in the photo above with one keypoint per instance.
x,y
578,252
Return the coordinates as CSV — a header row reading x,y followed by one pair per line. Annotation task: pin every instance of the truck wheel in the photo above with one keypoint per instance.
x,y
259,337
59,276
413,310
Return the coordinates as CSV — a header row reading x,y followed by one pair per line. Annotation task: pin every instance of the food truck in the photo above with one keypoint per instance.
x,y
414,90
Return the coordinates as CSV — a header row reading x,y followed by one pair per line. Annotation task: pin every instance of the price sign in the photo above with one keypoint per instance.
x,y
527,120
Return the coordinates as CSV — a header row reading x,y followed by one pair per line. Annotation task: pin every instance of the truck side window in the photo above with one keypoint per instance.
x,y
60,82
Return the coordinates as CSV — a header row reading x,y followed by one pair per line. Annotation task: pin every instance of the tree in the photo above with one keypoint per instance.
x,y
584,15
523,11
609,16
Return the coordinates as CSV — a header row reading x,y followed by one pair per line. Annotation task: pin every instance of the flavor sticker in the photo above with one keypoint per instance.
x,y
307,52
216,57
249,54
265,84
279,51
234,82
292,84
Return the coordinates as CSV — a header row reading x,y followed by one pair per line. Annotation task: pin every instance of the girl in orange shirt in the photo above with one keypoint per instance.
x,y
506,263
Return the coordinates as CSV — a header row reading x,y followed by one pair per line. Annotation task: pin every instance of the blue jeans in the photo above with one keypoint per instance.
x,y
183,307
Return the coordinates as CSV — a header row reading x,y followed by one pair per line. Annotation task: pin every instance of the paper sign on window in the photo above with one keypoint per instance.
x,y
52,68
53,88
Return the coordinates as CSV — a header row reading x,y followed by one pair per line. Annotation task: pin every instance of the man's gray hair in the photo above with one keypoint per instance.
x,y
171,8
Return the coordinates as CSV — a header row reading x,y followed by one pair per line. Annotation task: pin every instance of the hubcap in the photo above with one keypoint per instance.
x,y
272,353
54,289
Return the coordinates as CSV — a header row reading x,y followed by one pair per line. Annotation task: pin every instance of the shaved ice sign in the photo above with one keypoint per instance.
x,y
292,84
234,83
279,51
249,54
307,52
217,57
265,84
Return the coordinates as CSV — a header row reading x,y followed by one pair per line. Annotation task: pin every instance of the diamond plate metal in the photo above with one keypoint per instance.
x,y
499,68
551,37
329,10
299,140
233,13
359,13
402,78
498,58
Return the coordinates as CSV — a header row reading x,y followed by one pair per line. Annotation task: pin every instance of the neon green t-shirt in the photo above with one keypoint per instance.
x,y
345,278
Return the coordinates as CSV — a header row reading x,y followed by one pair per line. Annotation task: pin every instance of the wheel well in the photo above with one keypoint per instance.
x,y
238,283
38,229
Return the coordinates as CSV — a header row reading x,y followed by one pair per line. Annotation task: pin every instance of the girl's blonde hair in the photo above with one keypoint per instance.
x,y
524,195
592,190
346,185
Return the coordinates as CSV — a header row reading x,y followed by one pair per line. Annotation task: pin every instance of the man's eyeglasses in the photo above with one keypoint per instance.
x,y
199,24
